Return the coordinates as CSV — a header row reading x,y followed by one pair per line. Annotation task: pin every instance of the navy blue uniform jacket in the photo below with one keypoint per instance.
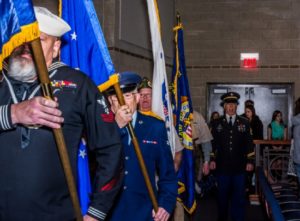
x,y
32,183
134,203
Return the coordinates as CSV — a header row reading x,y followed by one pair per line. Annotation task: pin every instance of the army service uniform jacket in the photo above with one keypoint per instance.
x,y
134,202
232,145
32,182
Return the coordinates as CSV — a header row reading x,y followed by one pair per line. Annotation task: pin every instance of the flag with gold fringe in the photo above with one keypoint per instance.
x,y
183,115
85,48
18,25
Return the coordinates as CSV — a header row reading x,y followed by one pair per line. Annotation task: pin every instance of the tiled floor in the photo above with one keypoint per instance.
x,y
207,211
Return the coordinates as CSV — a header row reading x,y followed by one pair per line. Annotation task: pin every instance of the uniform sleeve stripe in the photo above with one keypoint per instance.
x,y
4,117
96,213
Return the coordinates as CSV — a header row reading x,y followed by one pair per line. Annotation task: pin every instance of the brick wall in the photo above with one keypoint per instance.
x,y
216,32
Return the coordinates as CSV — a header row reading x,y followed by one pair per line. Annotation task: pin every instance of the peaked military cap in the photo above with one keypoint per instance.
x,y
128,81
146,83
230,97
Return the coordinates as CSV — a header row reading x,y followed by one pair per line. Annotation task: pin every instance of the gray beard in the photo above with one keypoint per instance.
x,y
21,69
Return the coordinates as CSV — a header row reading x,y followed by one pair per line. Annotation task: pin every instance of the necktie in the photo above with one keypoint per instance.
x,y
230,121
21,91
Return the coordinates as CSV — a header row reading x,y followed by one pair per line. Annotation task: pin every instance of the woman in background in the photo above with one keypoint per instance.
x,y
256,130
256,126
277,130
214,116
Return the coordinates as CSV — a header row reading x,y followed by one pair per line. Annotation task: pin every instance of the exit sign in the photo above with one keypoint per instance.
x,y
249,60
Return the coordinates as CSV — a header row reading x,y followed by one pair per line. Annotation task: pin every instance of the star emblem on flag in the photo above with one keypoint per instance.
x,y
82,153
74,36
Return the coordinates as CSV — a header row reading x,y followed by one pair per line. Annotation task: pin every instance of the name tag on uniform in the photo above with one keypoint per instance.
x,y
150,141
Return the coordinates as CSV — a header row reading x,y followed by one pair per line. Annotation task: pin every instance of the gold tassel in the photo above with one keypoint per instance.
x,y
28,33
113,79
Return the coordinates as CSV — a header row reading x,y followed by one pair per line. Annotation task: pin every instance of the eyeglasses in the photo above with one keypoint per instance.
x,y
127,96
146,95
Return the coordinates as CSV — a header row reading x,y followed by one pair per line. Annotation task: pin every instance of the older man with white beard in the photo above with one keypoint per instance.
x,y
32,182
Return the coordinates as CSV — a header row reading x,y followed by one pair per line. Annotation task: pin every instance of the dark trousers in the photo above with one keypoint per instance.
x,y
231,193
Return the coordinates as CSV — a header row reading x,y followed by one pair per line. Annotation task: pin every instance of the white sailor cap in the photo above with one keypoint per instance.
x,y
49,23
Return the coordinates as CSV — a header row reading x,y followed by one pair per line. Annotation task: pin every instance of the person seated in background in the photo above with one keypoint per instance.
x,y
277,130
133,202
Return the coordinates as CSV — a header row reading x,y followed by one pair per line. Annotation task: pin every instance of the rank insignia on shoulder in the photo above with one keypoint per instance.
x,y
150,141
63,84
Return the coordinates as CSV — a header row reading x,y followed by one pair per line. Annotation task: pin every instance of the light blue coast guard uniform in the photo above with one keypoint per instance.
x,y
133,203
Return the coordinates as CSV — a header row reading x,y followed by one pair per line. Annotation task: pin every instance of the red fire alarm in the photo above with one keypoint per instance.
x,y
249,60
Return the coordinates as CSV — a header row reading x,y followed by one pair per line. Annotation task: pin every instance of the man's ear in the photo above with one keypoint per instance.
x,y
56,48
109,100
137,97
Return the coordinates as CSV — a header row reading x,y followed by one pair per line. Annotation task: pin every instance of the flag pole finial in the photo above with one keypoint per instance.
x,y
178,18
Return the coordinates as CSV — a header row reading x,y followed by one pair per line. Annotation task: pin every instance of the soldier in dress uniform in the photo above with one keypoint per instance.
x,y
134,202
232,157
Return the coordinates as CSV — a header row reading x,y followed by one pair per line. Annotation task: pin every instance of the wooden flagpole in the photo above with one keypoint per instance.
x,y
60,141
138,151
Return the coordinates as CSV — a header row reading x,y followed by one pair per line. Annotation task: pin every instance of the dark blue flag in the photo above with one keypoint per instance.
x,y
18,25
183,115
85,49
